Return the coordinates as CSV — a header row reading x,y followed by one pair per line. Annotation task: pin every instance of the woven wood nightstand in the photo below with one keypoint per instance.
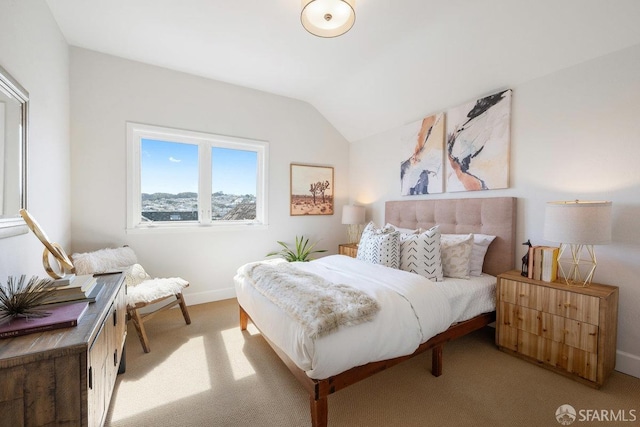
x,y
570,330
348,249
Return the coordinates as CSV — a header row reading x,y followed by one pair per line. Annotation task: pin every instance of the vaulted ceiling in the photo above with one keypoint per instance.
x,y
403,59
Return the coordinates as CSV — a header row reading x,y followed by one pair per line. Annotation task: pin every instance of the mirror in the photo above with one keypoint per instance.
x,y
14,102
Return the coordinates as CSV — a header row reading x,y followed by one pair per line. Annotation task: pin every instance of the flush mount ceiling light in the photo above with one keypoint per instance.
x,y
328,18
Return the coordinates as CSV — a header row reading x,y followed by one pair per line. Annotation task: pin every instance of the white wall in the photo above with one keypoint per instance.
x,y
575,135
106,92
34,52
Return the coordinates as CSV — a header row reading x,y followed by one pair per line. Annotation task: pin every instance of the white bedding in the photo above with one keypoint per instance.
x,y
413,309
470,297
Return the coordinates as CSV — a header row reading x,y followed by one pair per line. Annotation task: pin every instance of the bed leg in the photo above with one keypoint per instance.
x,y
244,319
436,361
319,411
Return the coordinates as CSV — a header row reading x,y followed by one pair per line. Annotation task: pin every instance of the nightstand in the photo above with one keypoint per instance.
x,y
348,249
570,330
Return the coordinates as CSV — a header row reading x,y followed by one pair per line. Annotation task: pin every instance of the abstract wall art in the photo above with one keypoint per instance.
x,y
477,144
421,170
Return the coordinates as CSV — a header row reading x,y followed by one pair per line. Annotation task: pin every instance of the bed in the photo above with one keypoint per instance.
x,y
318,362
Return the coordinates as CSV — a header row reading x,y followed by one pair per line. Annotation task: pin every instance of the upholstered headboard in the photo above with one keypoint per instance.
x,y
493,215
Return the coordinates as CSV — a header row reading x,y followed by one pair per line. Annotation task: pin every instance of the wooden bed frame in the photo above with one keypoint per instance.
x,y
493,216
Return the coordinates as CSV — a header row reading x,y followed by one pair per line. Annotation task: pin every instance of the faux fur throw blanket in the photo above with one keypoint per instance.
x,y
319,305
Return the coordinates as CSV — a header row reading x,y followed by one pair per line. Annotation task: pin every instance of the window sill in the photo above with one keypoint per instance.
x,y
194,228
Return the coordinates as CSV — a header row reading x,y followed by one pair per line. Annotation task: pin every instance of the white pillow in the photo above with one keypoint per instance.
x,y
456,254
403,230
420,253
481,243
134,275
380,246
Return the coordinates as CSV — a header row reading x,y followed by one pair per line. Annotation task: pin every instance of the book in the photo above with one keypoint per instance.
x,y
83,287
549,264
65,280
533,271
62,316
90,297
77,284
537,262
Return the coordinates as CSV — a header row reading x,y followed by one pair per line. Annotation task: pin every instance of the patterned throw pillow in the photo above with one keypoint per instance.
x,y
380,246
481,243
456,254
135,274
420,253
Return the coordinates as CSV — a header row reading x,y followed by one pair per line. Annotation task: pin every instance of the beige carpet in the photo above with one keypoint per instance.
x,y
211,374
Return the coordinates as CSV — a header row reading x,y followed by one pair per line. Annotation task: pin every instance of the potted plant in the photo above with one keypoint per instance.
x,y
301,252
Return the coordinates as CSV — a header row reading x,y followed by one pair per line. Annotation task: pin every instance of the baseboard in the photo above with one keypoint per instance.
x,y
209,296
628,363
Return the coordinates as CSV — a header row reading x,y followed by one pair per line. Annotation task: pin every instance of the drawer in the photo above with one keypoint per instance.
x,y
571,332
506,332
558,355
508,291
584,308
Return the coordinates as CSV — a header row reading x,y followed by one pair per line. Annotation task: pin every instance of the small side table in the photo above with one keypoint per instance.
x,y
348,249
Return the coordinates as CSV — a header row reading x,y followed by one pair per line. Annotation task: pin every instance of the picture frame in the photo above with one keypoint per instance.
x,y
311,191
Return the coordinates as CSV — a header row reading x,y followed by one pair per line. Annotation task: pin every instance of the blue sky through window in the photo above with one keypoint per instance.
x,y
234,171
172,167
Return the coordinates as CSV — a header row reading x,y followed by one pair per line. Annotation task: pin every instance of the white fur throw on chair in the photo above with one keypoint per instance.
x,y
104,260
141,288
153,289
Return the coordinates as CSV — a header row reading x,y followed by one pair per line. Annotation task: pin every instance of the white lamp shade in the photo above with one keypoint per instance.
x,y
578,222
352,214
328,18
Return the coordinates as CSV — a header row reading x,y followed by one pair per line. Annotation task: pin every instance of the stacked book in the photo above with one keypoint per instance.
x,y
59,316
543,263
75,288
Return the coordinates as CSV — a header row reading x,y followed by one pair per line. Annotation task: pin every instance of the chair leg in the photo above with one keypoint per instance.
x,y
183,307
139,325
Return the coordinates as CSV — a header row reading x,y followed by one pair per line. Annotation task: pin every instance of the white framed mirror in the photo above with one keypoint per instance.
x,y
14,112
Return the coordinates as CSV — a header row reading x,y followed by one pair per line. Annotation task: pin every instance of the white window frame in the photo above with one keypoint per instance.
x,y
136,132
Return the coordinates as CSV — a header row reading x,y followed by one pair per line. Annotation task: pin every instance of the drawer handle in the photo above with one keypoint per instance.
x,y
567,304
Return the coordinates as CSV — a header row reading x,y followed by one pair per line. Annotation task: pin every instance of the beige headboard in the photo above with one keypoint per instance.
x,y
492,215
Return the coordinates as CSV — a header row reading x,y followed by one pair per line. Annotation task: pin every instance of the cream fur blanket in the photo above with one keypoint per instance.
x,y
319,305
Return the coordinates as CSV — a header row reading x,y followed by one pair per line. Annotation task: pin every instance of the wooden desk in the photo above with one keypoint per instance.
x,y
66,376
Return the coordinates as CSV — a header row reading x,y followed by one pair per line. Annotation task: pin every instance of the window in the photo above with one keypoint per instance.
x,y
180,179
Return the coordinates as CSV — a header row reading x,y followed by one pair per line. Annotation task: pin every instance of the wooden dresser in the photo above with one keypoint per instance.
x,y
570,330
66,376
348,249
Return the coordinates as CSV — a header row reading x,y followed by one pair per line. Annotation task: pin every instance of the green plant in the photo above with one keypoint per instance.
x,y
25,299
301,252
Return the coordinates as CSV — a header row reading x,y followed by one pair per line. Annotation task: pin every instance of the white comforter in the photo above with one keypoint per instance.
x,y
413,309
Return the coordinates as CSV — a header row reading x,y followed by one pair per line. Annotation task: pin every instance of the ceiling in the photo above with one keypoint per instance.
x,y
402,60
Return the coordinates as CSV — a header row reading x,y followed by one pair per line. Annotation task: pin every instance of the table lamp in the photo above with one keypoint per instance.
x,y
578,225
353,217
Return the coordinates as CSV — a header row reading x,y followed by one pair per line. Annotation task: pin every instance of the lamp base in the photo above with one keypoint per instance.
x,y
573,274
354,231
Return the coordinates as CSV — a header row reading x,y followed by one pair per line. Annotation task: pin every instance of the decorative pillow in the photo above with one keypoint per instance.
x,y
420,253
456,254
403,230
135,275
481,243
380,246
104,260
